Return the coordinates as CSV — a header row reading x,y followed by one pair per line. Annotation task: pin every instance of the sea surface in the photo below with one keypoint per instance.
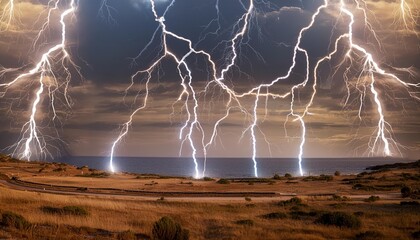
x,y
231,167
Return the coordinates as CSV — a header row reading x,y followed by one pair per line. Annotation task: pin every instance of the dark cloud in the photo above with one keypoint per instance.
x,y
105,50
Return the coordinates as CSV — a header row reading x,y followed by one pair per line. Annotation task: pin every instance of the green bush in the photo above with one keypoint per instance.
x,y
167,229
10,219
369,235
339,219
223,181
208,179
246,222
288,175
275,215
405,192
337,173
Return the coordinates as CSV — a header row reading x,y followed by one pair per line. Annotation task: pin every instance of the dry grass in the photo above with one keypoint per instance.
x,y
210,220
204,220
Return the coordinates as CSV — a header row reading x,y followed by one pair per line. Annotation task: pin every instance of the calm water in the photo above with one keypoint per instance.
x,y
232,167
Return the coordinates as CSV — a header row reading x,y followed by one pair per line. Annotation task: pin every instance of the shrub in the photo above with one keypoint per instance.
x,y
167,229
292,201
337,173
326,177
223,181
339,198
67,210
405,192
276,177
275,215
288,175
372,199
208,179
51,210
248,199
321,177
75,210
95,175
300,215
10,219
369,235
409,203
246,222
59,169
339,219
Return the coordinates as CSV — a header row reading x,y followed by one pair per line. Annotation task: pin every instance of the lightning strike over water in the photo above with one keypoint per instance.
x,y
369,67
351,59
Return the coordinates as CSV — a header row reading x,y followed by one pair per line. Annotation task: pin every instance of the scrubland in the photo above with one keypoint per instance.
x,y
350,210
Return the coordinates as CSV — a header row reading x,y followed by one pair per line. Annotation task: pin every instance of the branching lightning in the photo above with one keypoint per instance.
x,y
369,68
32,141
7,15
51,80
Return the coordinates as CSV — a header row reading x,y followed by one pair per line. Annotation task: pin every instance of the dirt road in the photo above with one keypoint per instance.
x,y
175,196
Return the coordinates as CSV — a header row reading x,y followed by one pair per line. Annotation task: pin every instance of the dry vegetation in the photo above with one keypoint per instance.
x,y
53,216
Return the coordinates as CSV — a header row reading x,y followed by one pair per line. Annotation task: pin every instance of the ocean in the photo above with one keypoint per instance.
x,y
231,167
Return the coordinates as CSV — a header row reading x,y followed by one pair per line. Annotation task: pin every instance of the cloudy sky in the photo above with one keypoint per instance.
x,y
104,41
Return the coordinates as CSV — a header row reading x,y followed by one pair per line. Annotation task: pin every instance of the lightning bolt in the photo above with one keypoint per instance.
x,y
51,80
7,15
32,141
408,17
369,68
192,121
